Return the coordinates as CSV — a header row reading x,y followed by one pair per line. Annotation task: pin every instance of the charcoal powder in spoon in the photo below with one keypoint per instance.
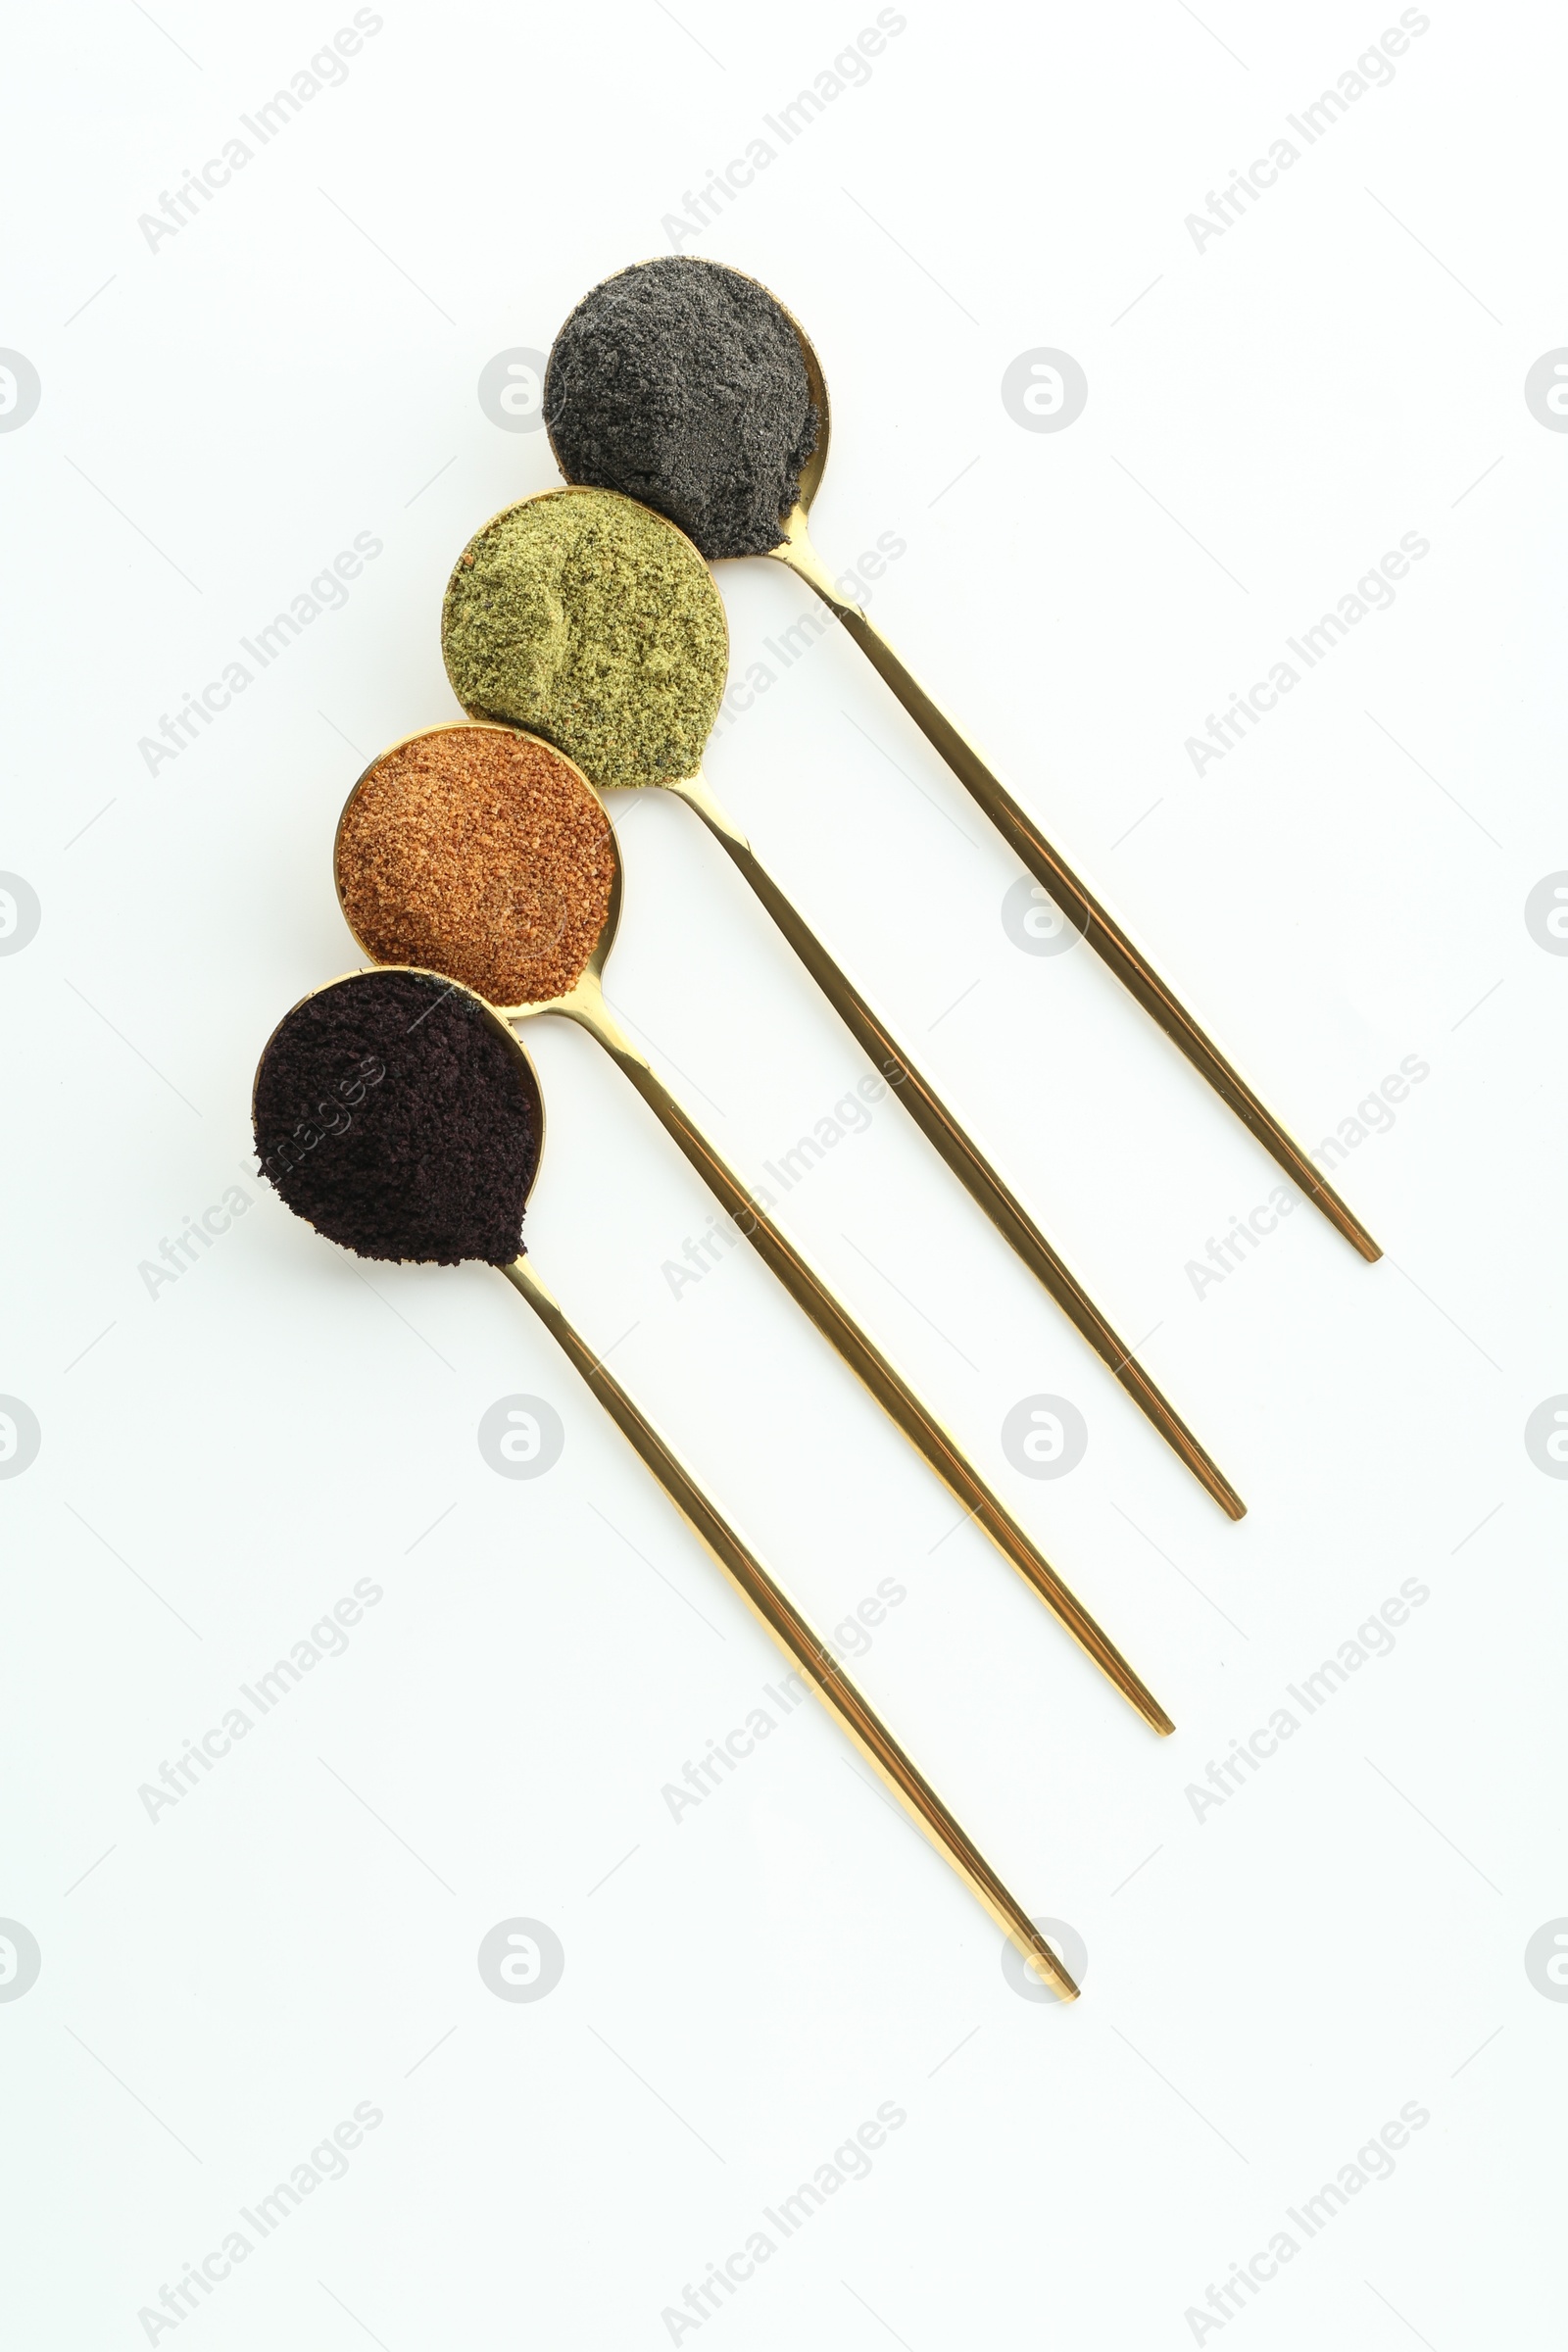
x,y
394,1115
682,384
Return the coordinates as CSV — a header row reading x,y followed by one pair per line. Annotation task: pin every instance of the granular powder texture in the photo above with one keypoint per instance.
x,y
479,854
682,383
584,617
394,1115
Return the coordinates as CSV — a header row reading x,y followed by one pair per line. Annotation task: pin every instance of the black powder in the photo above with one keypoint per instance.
x,y
682,383
393,1116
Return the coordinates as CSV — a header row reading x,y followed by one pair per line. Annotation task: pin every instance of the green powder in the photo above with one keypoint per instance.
x,y
593,623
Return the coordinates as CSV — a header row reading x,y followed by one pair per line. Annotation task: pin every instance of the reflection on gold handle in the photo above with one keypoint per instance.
x,y
1077,902
774,1608
959,1150
586,1005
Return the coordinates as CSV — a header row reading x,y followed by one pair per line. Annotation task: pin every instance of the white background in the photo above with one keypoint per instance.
x,y
1267,1985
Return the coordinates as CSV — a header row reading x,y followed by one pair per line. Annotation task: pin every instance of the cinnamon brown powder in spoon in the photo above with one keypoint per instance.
x,y
483,853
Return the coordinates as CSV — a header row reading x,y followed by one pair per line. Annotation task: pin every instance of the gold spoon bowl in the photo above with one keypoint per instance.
x,y
1021,831
767,1599
584,1004
561,699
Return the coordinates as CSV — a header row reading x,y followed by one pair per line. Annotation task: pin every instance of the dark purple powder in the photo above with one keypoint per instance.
x,y
682,384
395,1116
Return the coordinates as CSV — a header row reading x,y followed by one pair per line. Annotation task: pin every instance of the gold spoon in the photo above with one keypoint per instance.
x,y
584,1003
560,688
763,1595
1021,832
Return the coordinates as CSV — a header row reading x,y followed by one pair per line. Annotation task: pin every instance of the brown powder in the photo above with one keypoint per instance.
x,y
481,854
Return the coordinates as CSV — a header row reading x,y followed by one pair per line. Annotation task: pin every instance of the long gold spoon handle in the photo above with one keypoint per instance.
x,y
1077,902
959,1150
779,1614
838,1326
